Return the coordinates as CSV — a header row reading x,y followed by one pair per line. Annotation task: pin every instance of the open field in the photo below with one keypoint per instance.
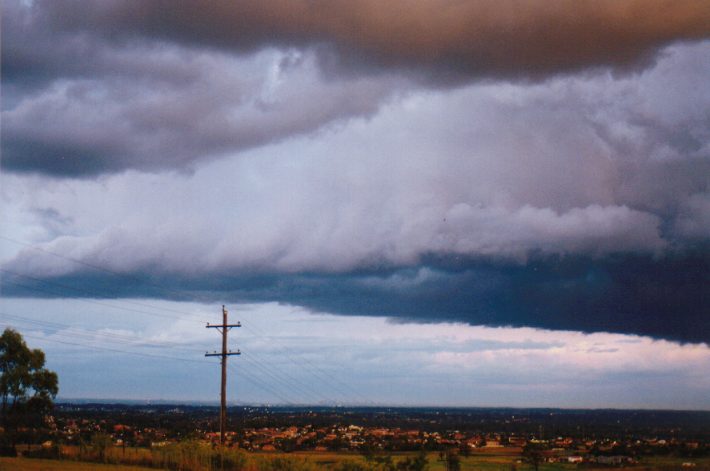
x,y
481,462
493,461
326,460
31,464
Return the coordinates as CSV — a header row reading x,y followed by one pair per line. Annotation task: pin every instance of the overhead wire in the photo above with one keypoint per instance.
x,y
250,378
108,335
87,300
91,265
109,349
96,294
122,340
292,384
92,301
263,386
89,335
312,369
315,371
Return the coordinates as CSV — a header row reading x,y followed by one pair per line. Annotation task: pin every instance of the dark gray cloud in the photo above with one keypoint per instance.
x,y
640,295
488,38
148,118
99,88
77,104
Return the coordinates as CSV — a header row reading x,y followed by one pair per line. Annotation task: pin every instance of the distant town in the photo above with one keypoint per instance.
x,y
609,437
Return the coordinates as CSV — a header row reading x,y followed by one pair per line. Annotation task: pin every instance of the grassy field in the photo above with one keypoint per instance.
x,y
476,462
480,462
31,464
487,463
502,461
320,460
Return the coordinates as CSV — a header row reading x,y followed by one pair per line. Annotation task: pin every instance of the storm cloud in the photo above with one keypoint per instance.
x,y
98,88
522,164
636,295
488,38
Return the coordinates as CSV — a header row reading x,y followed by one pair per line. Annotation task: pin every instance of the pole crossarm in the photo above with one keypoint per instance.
x,y
222,326
217,354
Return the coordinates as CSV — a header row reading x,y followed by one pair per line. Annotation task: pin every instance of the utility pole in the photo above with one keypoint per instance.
x,y
223,328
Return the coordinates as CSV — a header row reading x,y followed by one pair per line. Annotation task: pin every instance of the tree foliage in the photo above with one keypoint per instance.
x,y
27,388
533,455
451,459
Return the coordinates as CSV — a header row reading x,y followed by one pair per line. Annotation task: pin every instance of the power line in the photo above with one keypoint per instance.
x,y
315,370
137,311
109,335
183,315
291,379
293,385
251,379
92,301
86,300
104,304
330,380
263,386
115,350
129,341
90,265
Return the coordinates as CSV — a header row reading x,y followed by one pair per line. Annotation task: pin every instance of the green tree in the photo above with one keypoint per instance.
x,y
27,388
451,459
533,455
418,463
101,443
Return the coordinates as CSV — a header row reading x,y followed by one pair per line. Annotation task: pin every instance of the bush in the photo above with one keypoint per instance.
x,y
285,464
8,450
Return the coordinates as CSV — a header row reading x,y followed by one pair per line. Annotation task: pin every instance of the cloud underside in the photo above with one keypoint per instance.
x,y
485,38
626,294
101,88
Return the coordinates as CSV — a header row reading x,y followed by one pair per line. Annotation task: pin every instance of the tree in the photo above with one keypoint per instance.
x,y
27,388
419,463
533,455
451,459
101,443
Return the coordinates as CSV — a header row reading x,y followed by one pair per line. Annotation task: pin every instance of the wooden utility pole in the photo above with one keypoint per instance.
x,y
223,328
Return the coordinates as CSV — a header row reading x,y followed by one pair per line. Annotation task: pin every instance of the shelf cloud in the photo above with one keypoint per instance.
x,y
540,164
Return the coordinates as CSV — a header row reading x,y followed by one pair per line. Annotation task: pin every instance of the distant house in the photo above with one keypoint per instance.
x,y
473,442
517,441
615,460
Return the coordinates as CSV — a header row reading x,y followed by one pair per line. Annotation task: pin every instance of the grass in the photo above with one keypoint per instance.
x,y
325,460
320,460
674,461
32,464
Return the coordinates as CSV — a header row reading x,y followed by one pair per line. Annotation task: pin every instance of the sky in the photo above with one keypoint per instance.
x,y
488,203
